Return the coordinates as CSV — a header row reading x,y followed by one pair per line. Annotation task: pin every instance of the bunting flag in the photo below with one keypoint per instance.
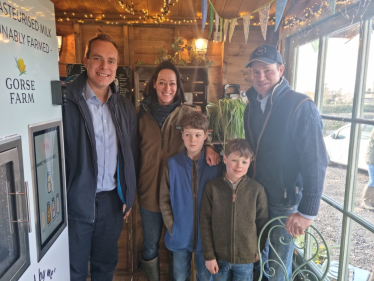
x,y
204,11
246,22
281,4
232,28
264,15
211,19
225,26
221,26
217,29
315,45
332,4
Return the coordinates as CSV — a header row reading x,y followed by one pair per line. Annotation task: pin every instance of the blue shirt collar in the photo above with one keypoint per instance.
x,y
88,93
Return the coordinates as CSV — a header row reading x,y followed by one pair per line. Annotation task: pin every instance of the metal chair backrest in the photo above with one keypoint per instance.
x,y
311,245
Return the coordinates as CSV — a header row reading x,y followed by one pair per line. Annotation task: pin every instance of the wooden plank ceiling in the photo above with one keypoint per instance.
x,y
181,10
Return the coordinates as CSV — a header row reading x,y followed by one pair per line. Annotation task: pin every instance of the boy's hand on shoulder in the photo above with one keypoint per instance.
x,y
212,266
211,157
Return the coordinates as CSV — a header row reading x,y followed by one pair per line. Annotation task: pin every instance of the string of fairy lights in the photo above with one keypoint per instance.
x,y
143,16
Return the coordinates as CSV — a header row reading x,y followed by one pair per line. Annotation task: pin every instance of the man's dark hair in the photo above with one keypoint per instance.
x,y
239,145
150,91
103,37
195,120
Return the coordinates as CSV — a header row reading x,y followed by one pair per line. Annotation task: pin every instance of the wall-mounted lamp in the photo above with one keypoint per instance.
x,y
201,45
59,43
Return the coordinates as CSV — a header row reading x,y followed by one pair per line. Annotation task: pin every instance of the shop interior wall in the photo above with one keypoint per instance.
x,y
136,43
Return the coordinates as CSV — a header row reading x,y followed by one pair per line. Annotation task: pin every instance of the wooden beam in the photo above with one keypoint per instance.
x,y
126,50
131,47
78,43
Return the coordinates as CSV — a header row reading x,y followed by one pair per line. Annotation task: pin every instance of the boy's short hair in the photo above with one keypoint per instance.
x,y
239,145
195,120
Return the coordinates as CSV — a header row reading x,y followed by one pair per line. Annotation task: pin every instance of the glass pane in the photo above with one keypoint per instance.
x,y
361,258
329,223
340,72
336,138
368,109
366,147
9,242
306,70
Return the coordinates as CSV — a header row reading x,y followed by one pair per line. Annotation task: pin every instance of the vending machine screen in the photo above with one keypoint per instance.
x,y
48,179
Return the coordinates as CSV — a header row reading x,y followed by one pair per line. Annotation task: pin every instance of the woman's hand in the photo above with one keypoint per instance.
x,y
211,157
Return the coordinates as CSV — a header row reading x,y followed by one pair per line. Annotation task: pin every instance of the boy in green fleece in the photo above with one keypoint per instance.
x,y
233,211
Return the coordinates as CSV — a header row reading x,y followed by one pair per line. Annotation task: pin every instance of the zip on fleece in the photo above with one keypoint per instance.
x,y
88,133
233,212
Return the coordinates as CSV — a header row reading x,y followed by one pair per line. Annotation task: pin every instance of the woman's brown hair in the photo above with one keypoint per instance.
x,y
150,91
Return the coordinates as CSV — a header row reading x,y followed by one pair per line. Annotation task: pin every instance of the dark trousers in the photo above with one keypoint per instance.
x,y
96,241
152,224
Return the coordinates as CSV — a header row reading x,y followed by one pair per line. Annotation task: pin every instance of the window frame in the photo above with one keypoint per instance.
x,y
321,31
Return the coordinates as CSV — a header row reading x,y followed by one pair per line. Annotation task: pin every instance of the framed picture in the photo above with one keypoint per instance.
x,y
47,162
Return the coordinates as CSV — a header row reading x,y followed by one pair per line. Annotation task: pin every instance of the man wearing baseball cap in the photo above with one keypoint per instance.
x,y
285,130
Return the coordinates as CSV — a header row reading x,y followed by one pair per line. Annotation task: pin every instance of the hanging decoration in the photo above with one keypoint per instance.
x,y
158,18
211,19
315,45
232,28
204,11
281,4
246,23
313,12
217,36
332,4
225,27
264,14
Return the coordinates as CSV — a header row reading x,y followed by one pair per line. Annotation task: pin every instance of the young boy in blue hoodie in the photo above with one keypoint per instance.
x,y
181,191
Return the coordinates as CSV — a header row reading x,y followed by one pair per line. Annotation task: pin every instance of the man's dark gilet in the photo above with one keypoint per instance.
x,y
277,160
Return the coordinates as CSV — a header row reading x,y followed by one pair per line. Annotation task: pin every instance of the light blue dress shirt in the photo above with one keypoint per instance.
x,y
106,139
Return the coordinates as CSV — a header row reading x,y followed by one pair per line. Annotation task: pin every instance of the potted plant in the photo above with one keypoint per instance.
x,y
226,119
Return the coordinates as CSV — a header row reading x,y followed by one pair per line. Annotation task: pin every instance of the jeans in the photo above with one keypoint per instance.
x,y
152,224
182,266
235,272
285,252
371,175
96,241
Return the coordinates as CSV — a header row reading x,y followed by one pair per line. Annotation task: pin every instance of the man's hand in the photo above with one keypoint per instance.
x,y
211,157
125,215
212,266
296,224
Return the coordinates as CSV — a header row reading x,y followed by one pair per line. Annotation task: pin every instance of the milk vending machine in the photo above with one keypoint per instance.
x,y
33,217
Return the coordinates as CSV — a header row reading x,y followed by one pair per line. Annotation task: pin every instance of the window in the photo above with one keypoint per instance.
x,y
343,89
340,72
307,58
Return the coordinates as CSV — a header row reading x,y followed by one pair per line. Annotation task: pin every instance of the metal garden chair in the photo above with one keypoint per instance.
x,y
311,253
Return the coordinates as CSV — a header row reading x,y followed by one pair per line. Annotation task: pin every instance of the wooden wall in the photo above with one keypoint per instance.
x,y
136,43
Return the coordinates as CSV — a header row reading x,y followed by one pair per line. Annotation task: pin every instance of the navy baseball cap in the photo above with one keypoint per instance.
x,y
267,54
